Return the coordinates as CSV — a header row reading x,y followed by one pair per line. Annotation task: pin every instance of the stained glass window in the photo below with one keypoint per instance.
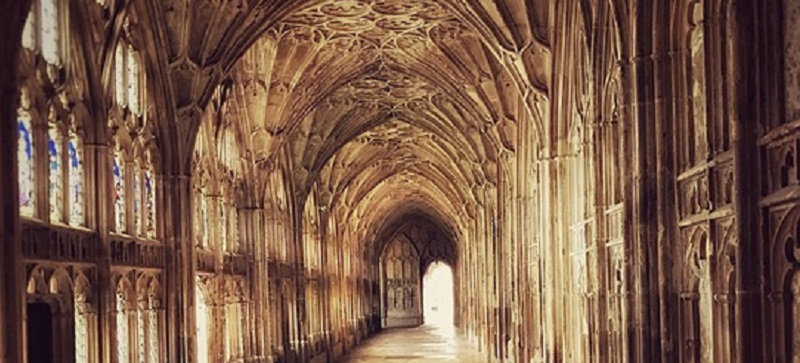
x,y
119,76
54,170
75,181
29,32
123,329
132,81
150,203
50,36
25,152
137,203
119,193
153,336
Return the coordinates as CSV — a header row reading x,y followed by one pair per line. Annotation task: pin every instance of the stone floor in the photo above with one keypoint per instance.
x,y
423,344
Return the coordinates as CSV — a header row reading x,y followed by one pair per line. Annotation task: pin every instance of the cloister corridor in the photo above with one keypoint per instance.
x,y
321,181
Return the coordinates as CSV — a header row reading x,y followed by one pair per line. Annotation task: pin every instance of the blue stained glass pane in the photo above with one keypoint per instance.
x,y
73,155
25,135
55,188
148,184
119,196
25,153
51,145
117,172
75,182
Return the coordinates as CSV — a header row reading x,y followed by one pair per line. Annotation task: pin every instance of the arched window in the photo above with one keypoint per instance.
x,y
132,80
123,329
127,82
42,30
119,192
119,76
55,188
25,154
49,31
75,149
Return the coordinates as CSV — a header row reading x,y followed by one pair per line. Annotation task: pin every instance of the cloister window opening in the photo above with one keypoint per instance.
x,y
437,295
63,151
123,328
134,188
201,315
127,80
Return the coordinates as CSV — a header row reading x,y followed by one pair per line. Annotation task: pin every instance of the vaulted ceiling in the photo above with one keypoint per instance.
x,y
385,106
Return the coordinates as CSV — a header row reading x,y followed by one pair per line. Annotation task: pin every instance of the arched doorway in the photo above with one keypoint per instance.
x,y
437,295
400,270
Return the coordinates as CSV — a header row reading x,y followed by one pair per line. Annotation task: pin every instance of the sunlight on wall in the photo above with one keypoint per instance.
x,y
437,298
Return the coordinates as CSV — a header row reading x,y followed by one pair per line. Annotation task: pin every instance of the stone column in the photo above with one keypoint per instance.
x,y
12,286
666,232
254,222
97,166
180,271
745,68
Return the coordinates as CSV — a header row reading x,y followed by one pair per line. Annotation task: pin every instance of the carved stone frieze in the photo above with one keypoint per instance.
x,y
49,242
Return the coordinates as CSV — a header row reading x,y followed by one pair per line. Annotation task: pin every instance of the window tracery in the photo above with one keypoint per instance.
x,y
42,30
127,78
119,76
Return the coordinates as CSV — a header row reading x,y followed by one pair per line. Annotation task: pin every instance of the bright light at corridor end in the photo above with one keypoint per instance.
x,y
438,295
